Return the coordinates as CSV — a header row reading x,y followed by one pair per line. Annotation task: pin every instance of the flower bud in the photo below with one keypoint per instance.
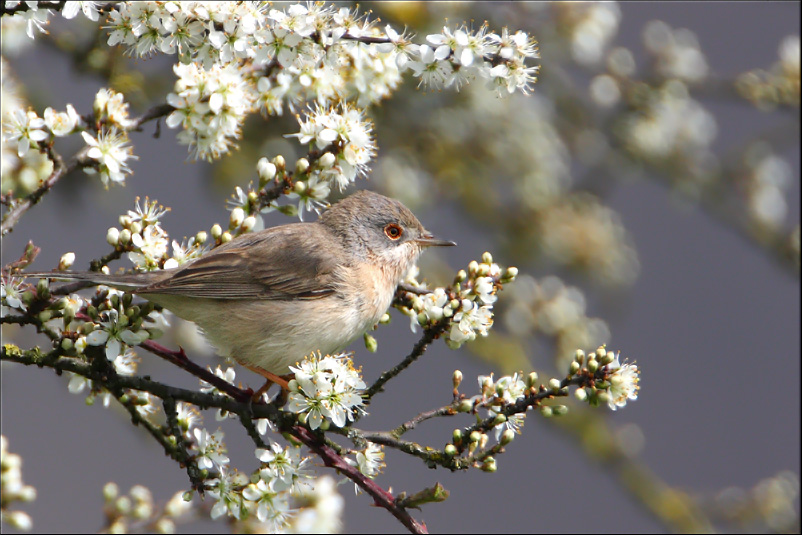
x,y
110,491
236,218
499,419
573,369
579,356
531,380
217,231
456,436
67,259
112,236
554,384
487,258
279,162
136,227
44,316
248,223
226,237
608,357
125,220
67,344
506,437
265,170
327,160
370,343
43,289
460,277
473,266
301,166
581,394
385,319
201,237
546,411
593,365
450,450
456,378
510,274
465,405
125,236
299,187
489,465
475,436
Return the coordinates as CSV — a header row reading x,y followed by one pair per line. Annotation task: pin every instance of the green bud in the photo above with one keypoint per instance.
x,y
554,384
61,304
499,419
450,450
423,319
127,299
110,491
579,356
217,231
68,316
465,405
531,380
489,465
454,304
226,237
45,315
385,319
27,297
115,301
370,343
456,436
546,411
288,210
510,274
123,504
456,378
601,352
581,394
475,436
573,369
201,237
487,258
559,410
87,328
91,311
325,425
473,266
506,437
132,312
67,344
90,400
43,289
461,276
608,357
125,236
593,365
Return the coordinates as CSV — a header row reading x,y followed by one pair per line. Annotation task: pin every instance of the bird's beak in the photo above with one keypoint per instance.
x,y
427,240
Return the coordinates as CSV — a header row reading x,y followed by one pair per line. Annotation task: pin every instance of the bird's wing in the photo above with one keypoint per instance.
x,y
287,262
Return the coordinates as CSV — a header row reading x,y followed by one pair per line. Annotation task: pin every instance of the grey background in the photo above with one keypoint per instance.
x,y
712,322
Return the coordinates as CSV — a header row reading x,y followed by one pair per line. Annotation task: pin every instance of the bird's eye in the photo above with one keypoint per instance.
x,y
393,231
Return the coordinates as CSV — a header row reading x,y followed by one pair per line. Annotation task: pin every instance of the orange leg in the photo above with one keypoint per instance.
x,y
281,380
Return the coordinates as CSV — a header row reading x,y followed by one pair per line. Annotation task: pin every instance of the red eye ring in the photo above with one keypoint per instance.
x,y
393,231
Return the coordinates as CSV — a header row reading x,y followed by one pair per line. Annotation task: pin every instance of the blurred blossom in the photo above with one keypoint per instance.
x,y
549,307
676,52
604,91
592,27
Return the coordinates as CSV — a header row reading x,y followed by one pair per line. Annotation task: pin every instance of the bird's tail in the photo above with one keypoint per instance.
x,y
130,281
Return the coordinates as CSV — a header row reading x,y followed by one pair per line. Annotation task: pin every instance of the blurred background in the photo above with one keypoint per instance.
x,y
648,192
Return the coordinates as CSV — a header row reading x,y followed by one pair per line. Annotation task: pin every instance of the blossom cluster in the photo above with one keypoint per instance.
x,y
13,489
325,388
621,380
147,242
468,307
345,137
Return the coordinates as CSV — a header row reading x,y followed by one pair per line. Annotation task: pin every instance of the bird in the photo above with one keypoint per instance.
x,y
269,298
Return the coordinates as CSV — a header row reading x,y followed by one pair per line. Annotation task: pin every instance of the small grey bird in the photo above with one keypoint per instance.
x,y
270,298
